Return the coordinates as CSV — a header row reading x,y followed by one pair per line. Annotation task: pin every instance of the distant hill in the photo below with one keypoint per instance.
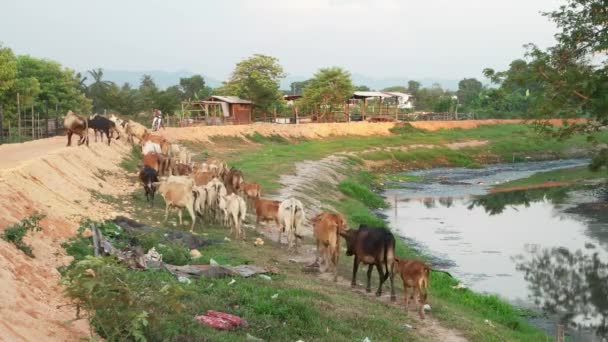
x,y
163,79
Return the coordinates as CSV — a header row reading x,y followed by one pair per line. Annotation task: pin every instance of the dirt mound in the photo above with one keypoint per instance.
x,y
309,131
45,176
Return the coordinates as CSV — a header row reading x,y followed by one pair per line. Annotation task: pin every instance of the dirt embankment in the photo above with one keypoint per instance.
x,y
47,177
324,130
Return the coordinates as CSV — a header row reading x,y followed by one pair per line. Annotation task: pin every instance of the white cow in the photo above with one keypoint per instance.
x,y
151,147
236,209
291,218
200,203
215,189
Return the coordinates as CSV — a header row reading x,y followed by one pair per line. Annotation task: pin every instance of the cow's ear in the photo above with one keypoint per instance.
x,y
343,233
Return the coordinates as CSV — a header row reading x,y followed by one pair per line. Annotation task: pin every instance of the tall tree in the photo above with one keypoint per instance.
x,y
572,76
8,68
330,88
194,87
362,88
257,79
468,91
413,87
98,91
147,93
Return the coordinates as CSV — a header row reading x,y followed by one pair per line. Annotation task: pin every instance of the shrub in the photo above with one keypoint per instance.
x,y
17,232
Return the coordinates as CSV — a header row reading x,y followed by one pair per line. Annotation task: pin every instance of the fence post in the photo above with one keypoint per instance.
x,y
559,333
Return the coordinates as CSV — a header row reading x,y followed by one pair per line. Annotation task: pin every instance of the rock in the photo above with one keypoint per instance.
x,y
194,253
265,277
427,307
213,262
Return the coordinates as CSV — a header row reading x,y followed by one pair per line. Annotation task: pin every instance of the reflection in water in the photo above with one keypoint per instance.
x,y
573,286
495,203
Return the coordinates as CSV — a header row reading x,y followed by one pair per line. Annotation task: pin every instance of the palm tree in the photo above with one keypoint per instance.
x,y
98,90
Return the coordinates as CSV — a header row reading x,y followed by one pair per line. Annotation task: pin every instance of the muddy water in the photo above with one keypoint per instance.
x,y
513,244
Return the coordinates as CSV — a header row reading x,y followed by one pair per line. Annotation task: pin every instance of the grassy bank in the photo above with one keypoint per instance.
x,y
408,148
574,176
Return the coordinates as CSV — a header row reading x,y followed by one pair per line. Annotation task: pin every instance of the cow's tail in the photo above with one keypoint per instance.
x,y
86,131
389,247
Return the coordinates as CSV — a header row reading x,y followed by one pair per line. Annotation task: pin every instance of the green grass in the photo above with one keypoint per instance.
x,y
125,304
510,142
133,160
15,233
570,175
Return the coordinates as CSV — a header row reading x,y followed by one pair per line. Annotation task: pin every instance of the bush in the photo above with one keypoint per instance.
x,y
17,232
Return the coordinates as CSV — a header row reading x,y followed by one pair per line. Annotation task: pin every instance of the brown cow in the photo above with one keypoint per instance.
x,y
251,191
327,228
374,247
74,124
180,169
202,178
415,275
233,180
158,162
266,210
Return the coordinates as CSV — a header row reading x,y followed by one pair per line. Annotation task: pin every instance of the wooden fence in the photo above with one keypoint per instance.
x,y
29,128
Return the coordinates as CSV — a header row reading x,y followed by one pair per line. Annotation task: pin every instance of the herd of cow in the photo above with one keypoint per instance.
x,y
216,193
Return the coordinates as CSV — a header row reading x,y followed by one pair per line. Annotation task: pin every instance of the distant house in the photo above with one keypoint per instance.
x,y
233,108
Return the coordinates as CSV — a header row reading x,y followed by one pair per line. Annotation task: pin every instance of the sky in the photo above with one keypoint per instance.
x,y
448,39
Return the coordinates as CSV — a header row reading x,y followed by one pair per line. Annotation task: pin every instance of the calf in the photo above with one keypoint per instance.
x,y
374,247
134,130
266,210
327,228
415,275
252,191
148,177
102,125
291,218
178,195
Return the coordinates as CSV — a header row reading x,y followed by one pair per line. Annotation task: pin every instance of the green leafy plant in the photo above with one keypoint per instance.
x,y
18,231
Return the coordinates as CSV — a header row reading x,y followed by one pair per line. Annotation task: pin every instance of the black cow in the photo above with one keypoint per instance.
x,y
374,247
148,176
103,125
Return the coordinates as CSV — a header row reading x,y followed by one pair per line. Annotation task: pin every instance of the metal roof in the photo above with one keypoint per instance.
x,y
366,94
229,99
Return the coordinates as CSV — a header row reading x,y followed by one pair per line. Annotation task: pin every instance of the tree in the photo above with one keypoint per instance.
x,y
193,88
98,91
413,87
297,88
257,79
329,88
168,101
8,69
362,88
147,93
468,92
571,78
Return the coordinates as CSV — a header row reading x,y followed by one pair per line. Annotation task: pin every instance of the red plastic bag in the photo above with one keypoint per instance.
x,y
221,320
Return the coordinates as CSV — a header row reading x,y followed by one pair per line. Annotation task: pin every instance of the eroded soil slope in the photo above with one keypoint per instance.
x,y
47,177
